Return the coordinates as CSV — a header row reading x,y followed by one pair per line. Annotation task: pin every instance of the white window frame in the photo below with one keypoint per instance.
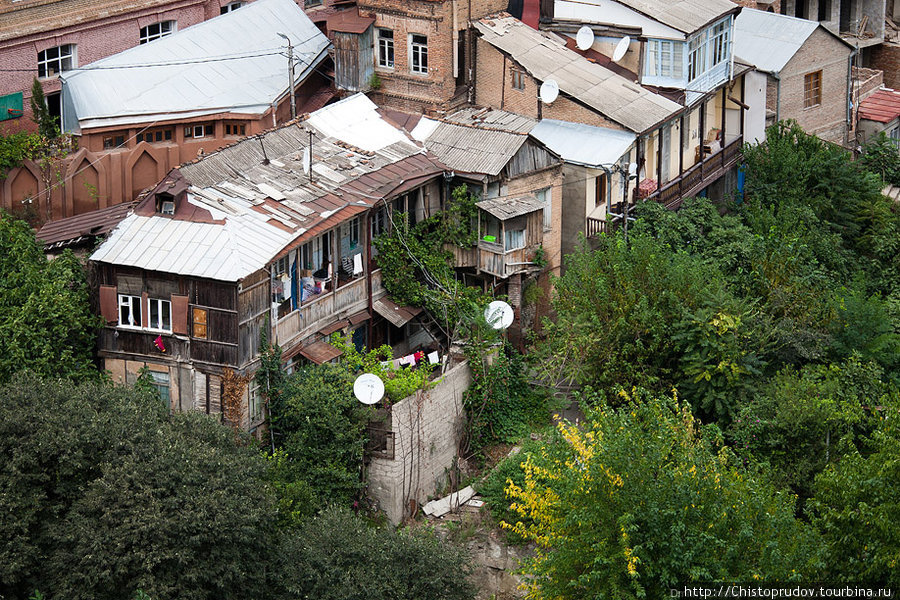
x,y
354,233
129,301
154,31
163,310
385,48
720,40
230,7
418,54
665,58
697,49
66,59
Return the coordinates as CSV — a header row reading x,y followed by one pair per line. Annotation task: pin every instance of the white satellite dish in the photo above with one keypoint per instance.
x,y
632,169
621,49
307,160
584,39
499,314
368,388
549,91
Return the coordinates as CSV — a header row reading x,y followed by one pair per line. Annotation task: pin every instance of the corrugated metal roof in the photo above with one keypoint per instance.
x,y
507,208
545,56
769,40
883,106
244,212
471,149
492,118
686,16
83,228
583,144
355,120
349,21
233,62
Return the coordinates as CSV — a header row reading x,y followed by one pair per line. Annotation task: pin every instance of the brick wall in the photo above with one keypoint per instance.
x,y
427,428
552,178
94,40
820,52
493,87
886,57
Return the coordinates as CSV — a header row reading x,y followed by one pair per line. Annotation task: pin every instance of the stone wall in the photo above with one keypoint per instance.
x,y
427,428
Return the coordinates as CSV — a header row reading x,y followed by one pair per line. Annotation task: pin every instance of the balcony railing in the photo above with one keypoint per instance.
x,y
699,176
594,227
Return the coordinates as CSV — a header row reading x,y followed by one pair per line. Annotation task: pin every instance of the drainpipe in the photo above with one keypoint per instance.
x,y
849,101
777,77
455,43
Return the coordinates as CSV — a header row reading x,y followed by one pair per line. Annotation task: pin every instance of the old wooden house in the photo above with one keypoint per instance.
x,y
270,235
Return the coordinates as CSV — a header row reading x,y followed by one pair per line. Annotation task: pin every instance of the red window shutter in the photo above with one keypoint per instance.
x,y
109,303
145,310
180,314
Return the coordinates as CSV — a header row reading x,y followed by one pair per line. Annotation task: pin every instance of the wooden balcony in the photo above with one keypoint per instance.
x,y
492,258
319,311
594,227
698,177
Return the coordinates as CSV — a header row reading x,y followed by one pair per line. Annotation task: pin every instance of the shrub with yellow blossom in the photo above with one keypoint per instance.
x,y
642,499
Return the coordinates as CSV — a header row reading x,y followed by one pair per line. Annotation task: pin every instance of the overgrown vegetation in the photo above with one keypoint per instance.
x,y
46,324
777,321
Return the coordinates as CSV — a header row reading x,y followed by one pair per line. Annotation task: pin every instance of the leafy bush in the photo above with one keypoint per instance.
x,y
338,556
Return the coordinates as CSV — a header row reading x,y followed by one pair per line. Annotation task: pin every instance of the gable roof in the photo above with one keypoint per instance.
x,y
239,212
82,230
469,148
882,107
686,16
231,63
769,40
545,57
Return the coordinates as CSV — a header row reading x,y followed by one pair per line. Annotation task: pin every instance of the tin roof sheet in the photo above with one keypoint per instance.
x,y
249,202
545,56
686,16
582,144
233,62
769,40
472,149
506,208
83,228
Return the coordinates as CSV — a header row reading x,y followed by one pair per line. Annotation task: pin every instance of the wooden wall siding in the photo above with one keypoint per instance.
x,y
213,293
462,257
139,343
493,259
353,60
216,353
254,300
321,312
377,286
530,157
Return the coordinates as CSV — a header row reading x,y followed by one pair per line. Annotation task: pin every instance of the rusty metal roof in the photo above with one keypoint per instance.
x,y
397,314
545,56
251,202
349,21
82,230
882,107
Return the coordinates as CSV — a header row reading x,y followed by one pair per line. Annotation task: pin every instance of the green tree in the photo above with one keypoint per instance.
x,y
40,114
321,434
880,156
46,324
803,420
339,556
615,307
855,506
641,500
104,492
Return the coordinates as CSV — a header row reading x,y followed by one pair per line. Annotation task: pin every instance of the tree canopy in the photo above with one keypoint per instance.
x,y
46,323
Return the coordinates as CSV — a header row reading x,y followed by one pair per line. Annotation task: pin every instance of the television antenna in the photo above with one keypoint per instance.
x,y
499,314
621,49
584,39
368,388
